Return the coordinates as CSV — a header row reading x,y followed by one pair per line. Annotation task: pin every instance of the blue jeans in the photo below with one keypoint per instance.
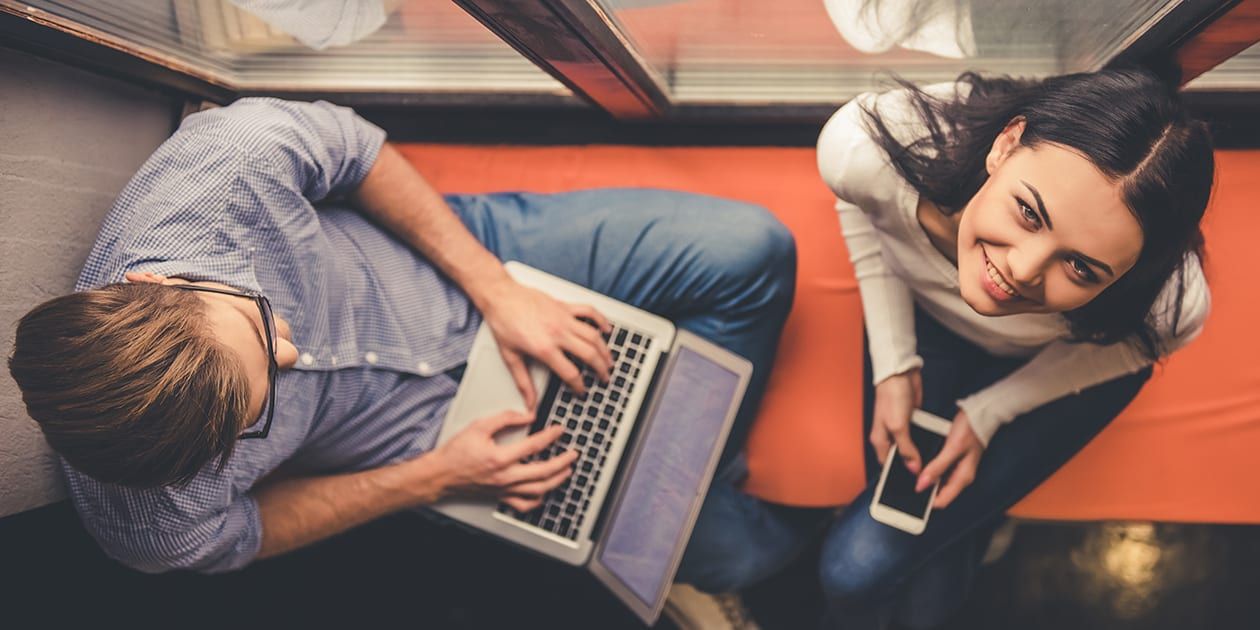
x,y
871,573
721,269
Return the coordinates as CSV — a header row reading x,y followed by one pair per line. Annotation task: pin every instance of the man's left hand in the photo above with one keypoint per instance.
x,y
962,451
528,322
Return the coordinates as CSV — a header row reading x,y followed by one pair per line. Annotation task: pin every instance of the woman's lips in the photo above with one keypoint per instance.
x,y
994,284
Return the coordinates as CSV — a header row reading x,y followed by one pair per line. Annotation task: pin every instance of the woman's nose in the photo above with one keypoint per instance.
x,y
1027,265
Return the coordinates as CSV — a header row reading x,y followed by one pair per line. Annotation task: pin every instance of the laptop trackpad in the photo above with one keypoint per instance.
x,y
493,390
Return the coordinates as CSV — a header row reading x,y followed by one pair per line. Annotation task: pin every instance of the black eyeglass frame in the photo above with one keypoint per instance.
x,y
264,309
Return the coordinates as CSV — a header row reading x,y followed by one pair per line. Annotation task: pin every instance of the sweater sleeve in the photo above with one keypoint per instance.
x,y
887,303
1064,368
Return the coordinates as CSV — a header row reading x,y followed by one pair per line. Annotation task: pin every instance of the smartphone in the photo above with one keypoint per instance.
x,y
896,503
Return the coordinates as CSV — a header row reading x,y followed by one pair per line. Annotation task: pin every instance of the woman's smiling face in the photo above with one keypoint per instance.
x,y
1046,233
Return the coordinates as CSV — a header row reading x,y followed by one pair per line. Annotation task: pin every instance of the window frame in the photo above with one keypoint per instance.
x,y
586,52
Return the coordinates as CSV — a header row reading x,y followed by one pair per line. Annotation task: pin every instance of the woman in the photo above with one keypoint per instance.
x,y
1025,250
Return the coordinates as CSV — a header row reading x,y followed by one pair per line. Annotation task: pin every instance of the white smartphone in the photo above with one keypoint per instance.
x,y
895,502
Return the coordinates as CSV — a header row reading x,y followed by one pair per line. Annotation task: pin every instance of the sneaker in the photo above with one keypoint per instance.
x,y
691,609
1000,543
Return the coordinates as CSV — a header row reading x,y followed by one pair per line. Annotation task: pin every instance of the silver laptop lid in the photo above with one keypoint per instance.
x,y
649,522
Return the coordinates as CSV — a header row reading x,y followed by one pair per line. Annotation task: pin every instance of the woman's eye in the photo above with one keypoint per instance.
x,y
1029,214
1082,270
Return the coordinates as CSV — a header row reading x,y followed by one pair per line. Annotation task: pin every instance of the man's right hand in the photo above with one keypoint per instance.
x,y
474,464
895,398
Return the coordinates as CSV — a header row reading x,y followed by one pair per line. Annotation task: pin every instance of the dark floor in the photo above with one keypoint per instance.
x,y
1077,576
406,569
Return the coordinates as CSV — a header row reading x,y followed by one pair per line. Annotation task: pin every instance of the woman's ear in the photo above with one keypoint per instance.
x,y
1004,144
144,276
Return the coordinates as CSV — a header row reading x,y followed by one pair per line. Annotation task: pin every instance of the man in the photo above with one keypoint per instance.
x,y
241,374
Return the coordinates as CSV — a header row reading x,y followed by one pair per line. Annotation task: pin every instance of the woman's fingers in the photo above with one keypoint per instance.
x,y
879,441
906,448
964,473
937,467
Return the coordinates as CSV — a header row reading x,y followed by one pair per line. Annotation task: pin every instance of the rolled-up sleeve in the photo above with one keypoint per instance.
x,y
202,526
317,149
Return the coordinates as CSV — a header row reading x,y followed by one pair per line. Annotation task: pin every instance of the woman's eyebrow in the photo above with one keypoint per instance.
x,y
1041,207
1095,262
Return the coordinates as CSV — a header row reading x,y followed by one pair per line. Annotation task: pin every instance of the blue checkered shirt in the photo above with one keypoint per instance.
x,y
247,196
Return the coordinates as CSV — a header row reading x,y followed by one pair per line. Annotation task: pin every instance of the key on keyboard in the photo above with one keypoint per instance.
x,y
591,422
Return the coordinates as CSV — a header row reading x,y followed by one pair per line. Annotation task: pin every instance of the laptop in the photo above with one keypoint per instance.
x,y
648,444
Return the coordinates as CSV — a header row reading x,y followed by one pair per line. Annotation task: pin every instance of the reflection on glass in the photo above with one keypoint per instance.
x,y
1238,73
829,50
318,24
334,45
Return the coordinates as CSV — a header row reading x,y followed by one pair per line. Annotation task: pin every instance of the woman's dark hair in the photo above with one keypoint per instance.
x,y
1129,123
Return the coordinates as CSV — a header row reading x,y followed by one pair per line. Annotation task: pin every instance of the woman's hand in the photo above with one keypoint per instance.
x,y
474,464
895,397
528,322
962,451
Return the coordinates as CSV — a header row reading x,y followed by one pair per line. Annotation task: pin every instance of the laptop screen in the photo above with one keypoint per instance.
x,y
643,532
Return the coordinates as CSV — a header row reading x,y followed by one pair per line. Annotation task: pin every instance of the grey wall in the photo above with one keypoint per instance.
x,y
69,141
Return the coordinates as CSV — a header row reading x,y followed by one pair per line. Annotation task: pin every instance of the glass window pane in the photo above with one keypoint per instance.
x,y
1238,73
334,45
803,51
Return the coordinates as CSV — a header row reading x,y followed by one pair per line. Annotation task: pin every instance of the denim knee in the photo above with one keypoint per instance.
x,y
735,570
738,540
726,555
766,243
855,567
752,246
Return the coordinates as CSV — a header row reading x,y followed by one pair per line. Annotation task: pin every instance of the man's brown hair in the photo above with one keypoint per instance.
x,y
129,385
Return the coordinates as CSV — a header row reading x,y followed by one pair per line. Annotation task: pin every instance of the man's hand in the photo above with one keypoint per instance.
x,y
895,398
528,322
473,463
962,451
525,322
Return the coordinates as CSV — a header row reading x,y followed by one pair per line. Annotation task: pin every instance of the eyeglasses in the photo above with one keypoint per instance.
x,y
264,308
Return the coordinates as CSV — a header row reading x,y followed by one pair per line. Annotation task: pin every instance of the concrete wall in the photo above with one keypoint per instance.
x,y
69,141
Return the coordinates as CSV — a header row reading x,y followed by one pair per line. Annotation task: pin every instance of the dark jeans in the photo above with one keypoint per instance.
x,y
870,572
721,269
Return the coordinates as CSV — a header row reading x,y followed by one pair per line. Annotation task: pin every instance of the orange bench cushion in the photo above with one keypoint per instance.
x,y
1181,452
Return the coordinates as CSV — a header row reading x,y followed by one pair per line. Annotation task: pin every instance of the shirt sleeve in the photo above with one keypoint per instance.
x,y
1064,368
226,176
202,526
317,148
887,302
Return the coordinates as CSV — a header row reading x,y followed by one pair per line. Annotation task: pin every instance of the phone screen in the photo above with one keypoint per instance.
x,y
899,491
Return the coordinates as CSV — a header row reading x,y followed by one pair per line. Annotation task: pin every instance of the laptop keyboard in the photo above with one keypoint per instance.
x,y
591,422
